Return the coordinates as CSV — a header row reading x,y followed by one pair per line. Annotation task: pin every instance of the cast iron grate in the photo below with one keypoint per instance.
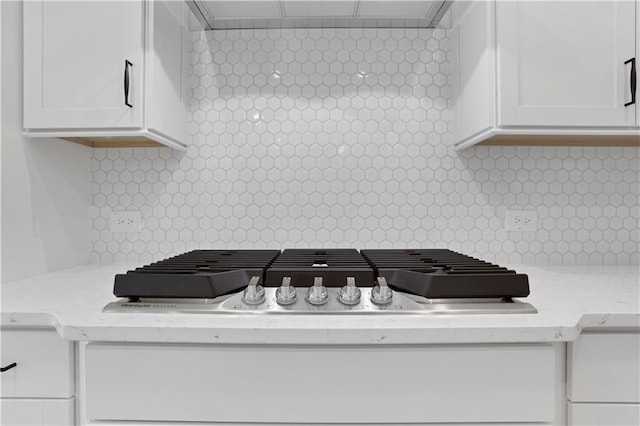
x,y
443,274
333,265
196,274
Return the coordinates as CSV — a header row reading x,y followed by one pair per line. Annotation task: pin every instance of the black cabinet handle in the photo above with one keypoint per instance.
x,y
8,367
632,81
127,64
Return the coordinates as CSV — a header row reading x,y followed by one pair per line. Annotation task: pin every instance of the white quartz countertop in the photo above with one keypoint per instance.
x,y
568,299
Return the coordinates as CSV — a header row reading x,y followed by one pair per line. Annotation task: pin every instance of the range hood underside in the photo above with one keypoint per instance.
x,y
240,14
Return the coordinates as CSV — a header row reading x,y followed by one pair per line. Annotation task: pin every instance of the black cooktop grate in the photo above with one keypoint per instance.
x,y
333,265
431,273
196,274
441,274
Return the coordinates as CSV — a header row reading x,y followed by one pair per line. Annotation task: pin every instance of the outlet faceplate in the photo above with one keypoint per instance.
x,y
521,220
129,221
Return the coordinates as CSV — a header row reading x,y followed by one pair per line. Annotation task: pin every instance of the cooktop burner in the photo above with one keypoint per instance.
x,y
334,266
334,281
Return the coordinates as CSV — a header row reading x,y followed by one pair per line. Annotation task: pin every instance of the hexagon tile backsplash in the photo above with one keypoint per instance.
x,y
341,138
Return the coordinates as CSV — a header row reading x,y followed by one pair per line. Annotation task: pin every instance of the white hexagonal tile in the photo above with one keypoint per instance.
x,y
337,137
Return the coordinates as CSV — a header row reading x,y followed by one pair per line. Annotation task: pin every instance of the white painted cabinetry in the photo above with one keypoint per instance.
x,y
37,412
600,414
537,69
106,72
603,379
39,390
138,383
74,63
335,384
562,63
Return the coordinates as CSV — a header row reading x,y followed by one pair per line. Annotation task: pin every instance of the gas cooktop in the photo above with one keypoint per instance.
x,y
321,281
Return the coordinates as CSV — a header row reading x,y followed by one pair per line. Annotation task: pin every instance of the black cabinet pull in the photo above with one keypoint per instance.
x,y
632,81
8,367
127,64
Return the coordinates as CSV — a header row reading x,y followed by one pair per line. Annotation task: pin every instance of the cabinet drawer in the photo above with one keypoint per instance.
x,y
321,384
604,367
37,412
586,414
44,364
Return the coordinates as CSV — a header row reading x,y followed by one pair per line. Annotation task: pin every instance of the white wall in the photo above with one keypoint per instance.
x,y
45,182
0,135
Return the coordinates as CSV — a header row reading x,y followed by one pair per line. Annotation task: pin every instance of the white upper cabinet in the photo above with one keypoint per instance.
x,y
106,72
563,63
473,85
75,54
167,71
545,72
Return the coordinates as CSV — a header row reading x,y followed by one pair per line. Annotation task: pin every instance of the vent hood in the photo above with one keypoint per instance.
x,y
237,14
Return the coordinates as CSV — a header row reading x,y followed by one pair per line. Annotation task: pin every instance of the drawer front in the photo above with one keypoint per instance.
x,y
37,412
44,364
328,384
604,367
586,414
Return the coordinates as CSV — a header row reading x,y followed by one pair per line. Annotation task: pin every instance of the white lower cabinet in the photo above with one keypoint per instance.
x,y
45,364
511,383
603,379
604,368
36,412
39,389
585,414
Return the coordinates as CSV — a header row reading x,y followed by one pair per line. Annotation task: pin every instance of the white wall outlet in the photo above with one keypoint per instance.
x,y
126,221
520,220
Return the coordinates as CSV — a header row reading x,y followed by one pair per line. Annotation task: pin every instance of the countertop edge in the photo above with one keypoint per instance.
x,y
345,336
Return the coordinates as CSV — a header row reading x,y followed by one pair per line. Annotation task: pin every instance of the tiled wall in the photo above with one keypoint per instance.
x,y
340,138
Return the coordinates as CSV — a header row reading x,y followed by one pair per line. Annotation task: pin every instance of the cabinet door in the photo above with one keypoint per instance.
x,y
561,63
44,364
37,412
74,64
604,367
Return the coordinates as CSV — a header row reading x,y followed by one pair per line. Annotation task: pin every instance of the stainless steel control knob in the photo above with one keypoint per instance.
x,y
286,294
318,294
254,293
381,294
350,294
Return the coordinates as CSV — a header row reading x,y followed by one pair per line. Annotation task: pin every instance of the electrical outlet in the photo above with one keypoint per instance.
x,y
520,220
126,221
